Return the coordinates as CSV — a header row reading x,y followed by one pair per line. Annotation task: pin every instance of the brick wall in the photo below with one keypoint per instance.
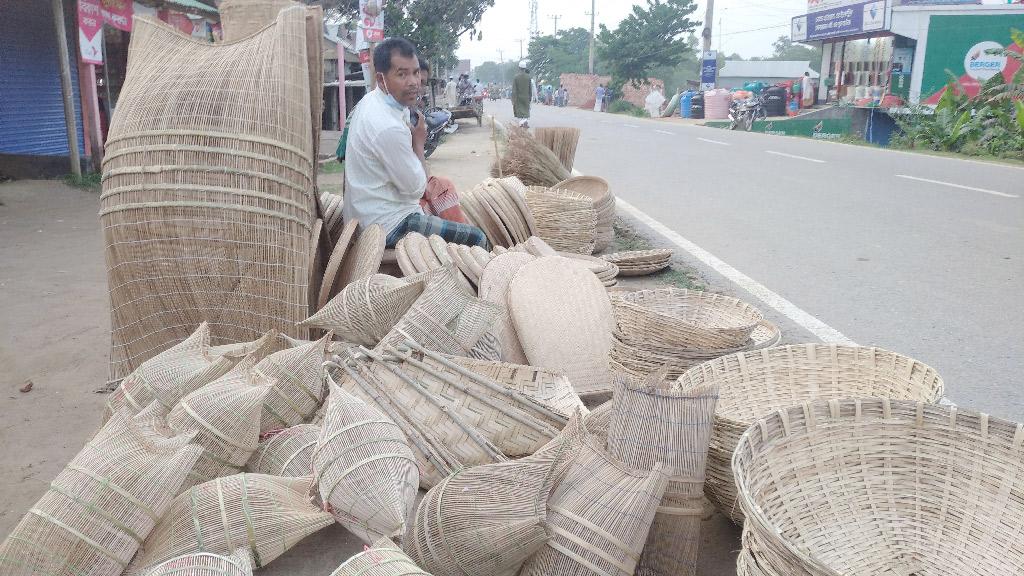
x,y
581,89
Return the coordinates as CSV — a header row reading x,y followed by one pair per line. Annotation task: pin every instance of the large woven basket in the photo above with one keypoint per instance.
x,y
753,384
881,487
676,317
604,203
206,564
566,220
207,205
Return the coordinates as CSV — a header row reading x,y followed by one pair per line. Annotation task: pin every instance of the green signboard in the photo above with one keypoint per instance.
x,y
819,129
960,44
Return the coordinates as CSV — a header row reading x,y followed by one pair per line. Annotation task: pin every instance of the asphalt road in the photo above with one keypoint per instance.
x,y
919,254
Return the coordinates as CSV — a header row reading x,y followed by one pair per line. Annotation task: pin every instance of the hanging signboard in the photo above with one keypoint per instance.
x,y
90,31
118,13
371,20
708,70
849,20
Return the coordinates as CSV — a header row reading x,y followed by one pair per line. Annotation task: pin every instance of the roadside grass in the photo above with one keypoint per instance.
x,y
676,275
88,181
332,167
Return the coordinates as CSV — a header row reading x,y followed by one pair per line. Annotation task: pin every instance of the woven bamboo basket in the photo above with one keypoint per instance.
x,y
604,203
441,440
562,141
207,205
565,220
682,318
266,514
170,375
485,520
599,516
878,486
105,501
287,452
205,564
753,384
295,377
650,423
516,424
225,418
384,559
365,469
367,309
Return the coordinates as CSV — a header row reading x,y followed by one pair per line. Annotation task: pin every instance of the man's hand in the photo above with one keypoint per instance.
x,y
419,134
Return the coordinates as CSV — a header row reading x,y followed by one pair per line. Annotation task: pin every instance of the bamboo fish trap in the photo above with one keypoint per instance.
x,y
266,514
599,516
104,503
367,309
562,141
260,348
653,423
225,418
548,388
485,520
384,559
207,205
205,564
295,377
442,441
288,452
365,469
170,375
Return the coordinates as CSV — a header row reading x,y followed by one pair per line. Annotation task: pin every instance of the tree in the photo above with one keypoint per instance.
x,y
492,72
784,49
651,37
552,56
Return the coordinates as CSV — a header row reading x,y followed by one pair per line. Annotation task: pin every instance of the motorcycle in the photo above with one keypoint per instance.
x,y
439,123
744,112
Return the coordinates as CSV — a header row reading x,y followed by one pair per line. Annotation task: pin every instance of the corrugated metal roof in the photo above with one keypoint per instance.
x,y
766,69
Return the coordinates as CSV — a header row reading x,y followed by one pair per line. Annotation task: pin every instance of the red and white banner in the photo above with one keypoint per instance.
x,y
118,13
371,19
90,31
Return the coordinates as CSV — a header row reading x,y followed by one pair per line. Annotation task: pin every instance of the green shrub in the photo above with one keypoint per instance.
x,y
628,108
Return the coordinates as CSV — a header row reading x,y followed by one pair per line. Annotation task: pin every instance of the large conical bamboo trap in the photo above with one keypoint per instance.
x,y
753,384
266,514
441,439
287,452
104,503
484,520
295,377
650,423
384,559
260,348
365,469
516,424
368,308
170,375
562,141
207,204
604,204
675,317
881,487
225,417
546,387
565,220
598,515
205,564
529,160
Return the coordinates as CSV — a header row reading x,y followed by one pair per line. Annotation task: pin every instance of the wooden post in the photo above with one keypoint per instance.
x,y
91,112
341,85
65,86
373,71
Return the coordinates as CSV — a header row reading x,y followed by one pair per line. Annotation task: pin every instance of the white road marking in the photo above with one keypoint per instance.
x,y
795,156
813,325
630,125
719,142
665,132
961,186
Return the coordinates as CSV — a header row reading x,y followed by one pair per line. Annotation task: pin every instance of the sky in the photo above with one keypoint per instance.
x,y
748,27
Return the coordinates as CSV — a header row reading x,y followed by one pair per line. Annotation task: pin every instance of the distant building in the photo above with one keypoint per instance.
x,y
464,67
736,73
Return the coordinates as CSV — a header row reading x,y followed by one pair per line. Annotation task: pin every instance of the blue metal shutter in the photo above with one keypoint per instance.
x,y
31,106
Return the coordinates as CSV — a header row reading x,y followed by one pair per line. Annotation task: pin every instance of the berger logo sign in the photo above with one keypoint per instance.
x,y
981,65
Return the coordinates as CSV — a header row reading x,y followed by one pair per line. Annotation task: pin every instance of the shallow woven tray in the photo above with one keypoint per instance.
x,y
642,270
685,318
564,321
639,256
494,286
881,487
517,194
363,258
753,384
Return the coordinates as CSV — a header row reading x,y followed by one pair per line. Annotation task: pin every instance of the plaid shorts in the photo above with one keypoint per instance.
x,y
427,225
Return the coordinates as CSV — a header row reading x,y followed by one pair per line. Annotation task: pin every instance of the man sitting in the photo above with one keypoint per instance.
x,y
385,168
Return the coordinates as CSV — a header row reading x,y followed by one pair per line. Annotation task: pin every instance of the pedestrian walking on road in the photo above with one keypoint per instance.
x,y
599,98
565,96
806,91
522,94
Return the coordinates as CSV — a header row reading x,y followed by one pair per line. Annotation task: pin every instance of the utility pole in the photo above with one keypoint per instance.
x,y
534,26
720,30
555,17
520,40
65,86
709,17
592,13
501,56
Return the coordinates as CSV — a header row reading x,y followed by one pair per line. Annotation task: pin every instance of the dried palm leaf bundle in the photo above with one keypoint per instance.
x,y
266,514
205,564
295,377
444,318
207,204
562,141
225,418
529,160
566,221
441,439
652,422
105,501
384,559
598,515
545,387
368,308
514,423
365,469
170,375
287,452
485,520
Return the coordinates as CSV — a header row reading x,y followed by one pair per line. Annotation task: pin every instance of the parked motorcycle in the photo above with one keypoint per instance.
x,y
439,123
744,112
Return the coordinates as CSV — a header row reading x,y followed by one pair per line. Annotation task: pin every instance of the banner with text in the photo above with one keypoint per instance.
x,y
850,20
90,31
709,70
118,13
371,19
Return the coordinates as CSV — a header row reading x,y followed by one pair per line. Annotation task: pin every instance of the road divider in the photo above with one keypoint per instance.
x,y
961,186
794,156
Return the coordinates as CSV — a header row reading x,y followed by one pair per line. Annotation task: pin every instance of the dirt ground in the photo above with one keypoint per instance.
x,y
55,334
